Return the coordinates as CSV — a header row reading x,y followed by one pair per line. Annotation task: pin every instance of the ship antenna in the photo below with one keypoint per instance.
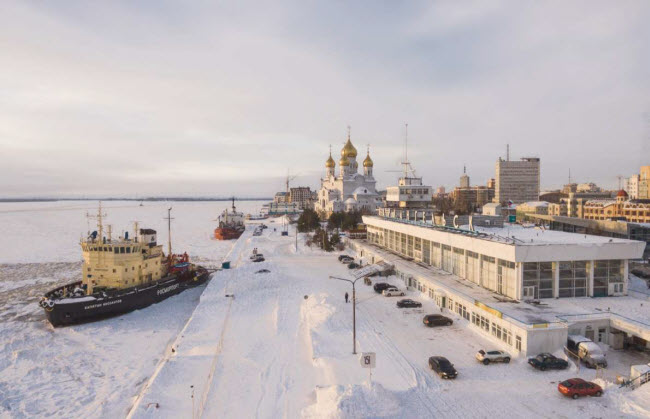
x,y
169,232
100,223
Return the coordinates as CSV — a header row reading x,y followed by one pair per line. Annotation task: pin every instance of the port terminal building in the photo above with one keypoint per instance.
x,y
527,288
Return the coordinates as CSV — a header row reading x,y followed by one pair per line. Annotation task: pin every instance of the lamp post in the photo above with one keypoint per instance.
x,y
354,311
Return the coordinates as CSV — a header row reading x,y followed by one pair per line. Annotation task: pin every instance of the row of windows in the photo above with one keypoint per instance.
x,y
146,265
115,249
486,271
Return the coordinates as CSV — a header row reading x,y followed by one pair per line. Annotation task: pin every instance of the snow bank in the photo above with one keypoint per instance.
x,y
354,401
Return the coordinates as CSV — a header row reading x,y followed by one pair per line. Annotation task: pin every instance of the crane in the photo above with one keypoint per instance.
x,y
289,179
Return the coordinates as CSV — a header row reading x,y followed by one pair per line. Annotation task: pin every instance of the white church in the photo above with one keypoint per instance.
x,y
349,190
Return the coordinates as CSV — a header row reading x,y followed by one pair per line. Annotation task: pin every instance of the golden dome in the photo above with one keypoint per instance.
x,y
349,150
330,162
368,161
344,161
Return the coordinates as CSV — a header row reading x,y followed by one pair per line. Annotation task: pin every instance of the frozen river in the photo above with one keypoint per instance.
x,y
90,370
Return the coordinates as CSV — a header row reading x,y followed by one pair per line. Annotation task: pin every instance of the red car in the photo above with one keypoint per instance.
x,y
576,387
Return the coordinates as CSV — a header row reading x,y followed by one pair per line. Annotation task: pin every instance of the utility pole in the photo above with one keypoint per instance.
x,y
354,311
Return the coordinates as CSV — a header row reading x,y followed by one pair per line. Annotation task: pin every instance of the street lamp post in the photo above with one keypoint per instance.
x,y
354,311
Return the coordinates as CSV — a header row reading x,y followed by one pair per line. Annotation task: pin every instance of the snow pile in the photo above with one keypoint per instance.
x,y
354,401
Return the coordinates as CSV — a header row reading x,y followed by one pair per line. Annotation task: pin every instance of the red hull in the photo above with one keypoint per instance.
x,y
226,233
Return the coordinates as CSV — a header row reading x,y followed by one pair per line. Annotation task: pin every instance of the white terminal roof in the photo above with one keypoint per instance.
x,y
516,243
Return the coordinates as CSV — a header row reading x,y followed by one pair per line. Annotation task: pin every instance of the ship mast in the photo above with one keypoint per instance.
x,y
169,233
100,222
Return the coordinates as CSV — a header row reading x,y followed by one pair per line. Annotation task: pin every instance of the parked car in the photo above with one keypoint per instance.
x,y
341,257
432,320
259,259
442,367
408,303
577,387
587,351
380,286
346,259
546,361
392,291
492,356
256,255
263,271
353,265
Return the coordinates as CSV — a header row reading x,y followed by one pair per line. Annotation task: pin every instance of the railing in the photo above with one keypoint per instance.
x,y
475,234
601,315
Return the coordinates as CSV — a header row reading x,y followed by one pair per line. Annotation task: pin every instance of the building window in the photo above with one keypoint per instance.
x,y
541,277
488,272
573,278
607,272
518,343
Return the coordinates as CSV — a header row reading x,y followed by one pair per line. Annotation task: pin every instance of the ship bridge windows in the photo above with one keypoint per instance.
x,y
128,249
116,250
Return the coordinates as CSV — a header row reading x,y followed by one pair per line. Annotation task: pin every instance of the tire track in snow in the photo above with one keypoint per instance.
x,y
424,378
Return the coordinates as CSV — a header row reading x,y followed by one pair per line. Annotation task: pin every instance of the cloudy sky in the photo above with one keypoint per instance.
x,y
218,98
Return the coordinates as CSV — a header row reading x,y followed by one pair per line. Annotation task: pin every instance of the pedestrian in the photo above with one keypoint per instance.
x,y
441,309
346,298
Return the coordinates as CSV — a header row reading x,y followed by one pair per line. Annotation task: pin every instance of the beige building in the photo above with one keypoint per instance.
x,y
637,211
517,181
534,207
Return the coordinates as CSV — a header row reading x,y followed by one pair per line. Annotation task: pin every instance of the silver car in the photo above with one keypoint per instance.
x,y
492,356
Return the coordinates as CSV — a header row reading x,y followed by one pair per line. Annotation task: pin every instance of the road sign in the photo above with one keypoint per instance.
x,y
367,359
512,218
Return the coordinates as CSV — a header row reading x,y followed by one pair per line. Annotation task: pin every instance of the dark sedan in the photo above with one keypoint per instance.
x,y
442,367
431,320
381,286
547,361
408,303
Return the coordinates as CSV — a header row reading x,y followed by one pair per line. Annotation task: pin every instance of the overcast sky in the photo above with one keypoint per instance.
x,y
198,98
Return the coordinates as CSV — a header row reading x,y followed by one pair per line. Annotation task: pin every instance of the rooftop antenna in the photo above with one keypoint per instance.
x,y
507,152
464,169
405,163
569,175
620,181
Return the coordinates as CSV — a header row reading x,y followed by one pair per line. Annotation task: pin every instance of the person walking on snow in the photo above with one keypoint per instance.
x,y
346,297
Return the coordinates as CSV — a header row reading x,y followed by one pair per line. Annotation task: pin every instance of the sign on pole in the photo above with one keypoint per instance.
x,y
367,359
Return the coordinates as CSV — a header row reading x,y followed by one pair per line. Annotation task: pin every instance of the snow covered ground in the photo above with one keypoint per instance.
x,y
281,347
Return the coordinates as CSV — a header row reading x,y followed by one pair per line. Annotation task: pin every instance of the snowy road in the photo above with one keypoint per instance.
x,y
271,352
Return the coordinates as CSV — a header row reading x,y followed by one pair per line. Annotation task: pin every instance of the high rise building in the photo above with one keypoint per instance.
x,y
464,179
301,195
631,186
644,182
517,181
